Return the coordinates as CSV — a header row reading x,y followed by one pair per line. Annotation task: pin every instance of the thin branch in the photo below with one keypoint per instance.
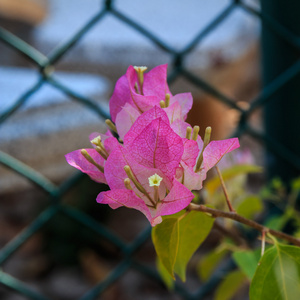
x,y
225,190
236,217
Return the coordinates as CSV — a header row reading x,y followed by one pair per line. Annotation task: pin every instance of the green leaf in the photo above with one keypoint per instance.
x,y
176,239
278,275
250,206
209,262
247,261
230,285
212,184
165,237
193,230
164,274
296,184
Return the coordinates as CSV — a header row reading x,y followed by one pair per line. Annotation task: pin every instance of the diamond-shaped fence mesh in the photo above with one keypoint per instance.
x,y
276,82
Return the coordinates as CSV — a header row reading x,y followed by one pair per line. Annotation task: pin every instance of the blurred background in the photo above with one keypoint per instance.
x,y
59,62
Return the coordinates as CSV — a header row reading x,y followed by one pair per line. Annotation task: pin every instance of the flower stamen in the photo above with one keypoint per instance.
x,y
162,104
140,74
130,175
100,147
127,184
91,160
111,125
195,132
167,99
188,133
205,143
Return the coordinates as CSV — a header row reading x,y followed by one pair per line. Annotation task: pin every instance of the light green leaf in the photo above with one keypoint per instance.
x,y
212,184
247,261
164,274
209,262
278,275
165,237
193,230
230,285
250,206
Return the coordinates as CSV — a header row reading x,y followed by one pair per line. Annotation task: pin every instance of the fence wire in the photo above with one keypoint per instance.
x,y
44,66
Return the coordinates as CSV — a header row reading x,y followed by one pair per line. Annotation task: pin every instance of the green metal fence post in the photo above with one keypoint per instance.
x,y
283,111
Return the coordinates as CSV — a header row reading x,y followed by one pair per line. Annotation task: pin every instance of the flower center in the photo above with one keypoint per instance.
x,y
154,180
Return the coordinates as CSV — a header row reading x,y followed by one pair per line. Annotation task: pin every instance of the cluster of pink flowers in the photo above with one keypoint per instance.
x,y
159,158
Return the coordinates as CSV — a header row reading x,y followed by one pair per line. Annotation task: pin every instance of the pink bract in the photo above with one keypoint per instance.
x,y
155,149
155,88
77,160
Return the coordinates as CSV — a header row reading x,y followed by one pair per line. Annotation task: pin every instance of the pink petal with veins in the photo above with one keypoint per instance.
x,y
158,146
145,101
215,150
120,97
174,112
155,88
110,144
155,82
188,177
114,168
115,174
180,128
125,119
124,197
143,120
190,152
77,160
185,100
178,199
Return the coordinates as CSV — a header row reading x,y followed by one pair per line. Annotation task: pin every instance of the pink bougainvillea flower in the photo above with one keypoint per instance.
x,y
143,91
162,159
189,173
150,155
91,162
155,88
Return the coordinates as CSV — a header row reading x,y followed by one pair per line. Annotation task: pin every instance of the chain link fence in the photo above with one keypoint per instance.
x,y
54,193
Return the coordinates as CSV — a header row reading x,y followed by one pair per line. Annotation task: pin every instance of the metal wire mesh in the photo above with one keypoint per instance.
x,y
178,68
